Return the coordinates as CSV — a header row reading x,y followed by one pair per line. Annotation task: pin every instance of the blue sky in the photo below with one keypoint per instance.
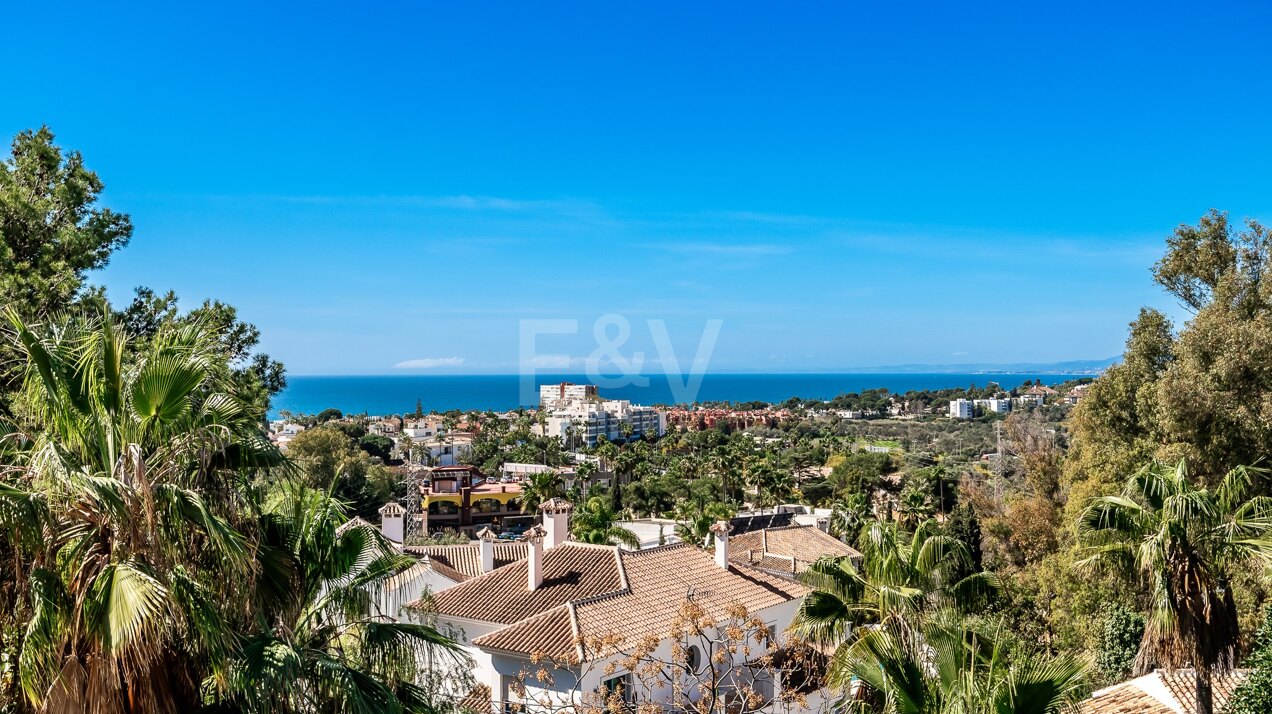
x,y
841,184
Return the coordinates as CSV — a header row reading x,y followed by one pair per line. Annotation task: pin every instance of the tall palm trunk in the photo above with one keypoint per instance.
x,y
1205,690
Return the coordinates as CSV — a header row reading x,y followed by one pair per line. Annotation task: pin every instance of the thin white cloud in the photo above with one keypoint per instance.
x,y
430,363
724,249
558,361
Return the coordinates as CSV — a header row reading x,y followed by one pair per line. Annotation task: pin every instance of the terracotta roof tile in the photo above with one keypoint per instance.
x,y
463,562
1124,698
570,571
772,549
1183,686
658,580
553,633
1161,692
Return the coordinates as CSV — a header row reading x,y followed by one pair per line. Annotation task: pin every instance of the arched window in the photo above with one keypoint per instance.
x,y
693,657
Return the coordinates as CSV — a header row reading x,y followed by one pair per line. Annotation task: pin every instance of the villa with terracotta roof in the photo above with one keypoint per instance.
x,y
569,608
788,551
1163,691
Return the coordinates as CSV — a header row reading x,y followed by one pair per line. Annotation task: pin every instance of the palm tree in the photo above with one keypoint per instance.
x,y
951,668
583,475
23,516
321,642
770,483
595,523
902,579
137,453
406,446
607,451
849,514
694,520
1180,542
538,488
449,422
914,507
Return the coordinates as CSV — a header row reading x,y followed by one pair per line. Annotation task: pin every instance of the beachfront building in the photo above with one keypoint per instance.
x,y
556,396
583,423
446,450
1026,401
550,631
578,416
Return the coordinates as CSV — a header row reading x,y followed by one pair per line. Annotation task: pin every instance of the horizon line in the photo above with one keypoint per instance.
x,y
838,372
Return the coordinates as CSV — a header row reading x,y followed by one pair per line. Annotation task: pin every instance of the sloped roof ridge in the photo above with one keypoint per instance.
x,y
592,599
575,634
622,569
492,571
581,544
657,549
768,579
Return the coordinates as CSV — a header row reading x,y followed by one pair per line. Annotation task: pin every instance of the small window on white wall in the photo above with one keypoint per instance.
x,y
622,685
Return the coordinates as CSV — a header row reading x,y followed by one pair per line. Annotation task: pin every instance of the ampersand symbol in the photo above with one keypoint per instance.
x,y
608,348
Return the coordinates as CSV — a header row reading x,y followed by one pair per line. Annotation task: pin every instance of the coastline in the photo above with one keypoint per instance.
x,y
389,394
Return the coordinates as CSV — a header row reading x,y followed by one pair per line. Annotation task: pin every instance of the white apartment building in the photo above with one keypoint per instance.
x,y
555,396
997,406
588,421
966,408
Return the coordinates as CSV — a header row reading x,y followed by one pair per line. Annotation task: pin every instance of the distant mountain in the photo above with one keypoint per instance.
x,y
1080,366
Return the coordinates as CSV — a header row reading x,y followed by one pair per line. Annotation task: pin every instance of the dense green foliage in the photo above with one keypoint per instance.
x,y
52,231
1254,696
328,456
1121,630
160,553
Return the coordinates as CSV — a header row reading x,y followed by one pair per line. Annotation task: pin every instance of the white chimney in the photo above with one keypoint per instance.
x,y
721,531
556,521
392,521
534,563
486,542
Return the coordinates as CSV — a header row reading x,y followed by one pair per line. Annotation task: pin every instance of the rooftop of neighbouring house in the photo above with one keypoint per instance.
x,y
462,562
1164,691
592,591
495,487
787,550
456,471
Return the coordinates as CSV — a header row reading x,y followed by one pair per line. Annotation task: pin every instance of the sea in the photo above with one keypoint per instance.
x,y
397,394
